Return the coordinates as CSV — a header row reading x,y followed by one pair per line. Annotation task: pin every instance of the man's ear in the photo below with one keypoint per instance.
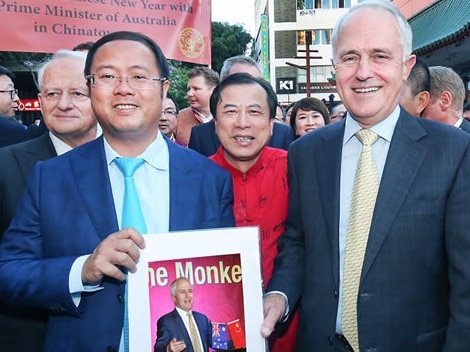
x,y
409,63
424,98
445,100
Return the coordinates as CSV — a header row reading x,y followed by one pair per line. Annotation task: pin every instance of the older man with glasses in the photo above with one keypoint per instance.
x,y
11,131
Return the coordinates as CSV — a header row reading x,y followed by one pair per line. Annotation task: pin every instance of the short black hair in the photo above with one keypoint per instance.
x,y
309,104
419,79
83,46
174,102
162,63
7,72
240,79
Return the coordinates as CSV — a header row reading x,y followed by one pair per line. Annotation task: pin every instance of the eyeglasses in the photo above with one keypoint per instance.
x,y
169,113
13,93
108,80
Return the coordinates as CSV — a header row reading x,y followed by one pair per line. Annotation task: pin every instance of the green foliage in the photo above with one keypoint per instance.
x,y
228,40
179,81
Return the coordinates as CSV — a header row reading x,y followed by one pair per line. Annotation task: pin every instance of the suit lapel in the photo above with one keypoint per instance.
x,y
182,328
179,187
328,170
215,139
404,159
27,157
89,167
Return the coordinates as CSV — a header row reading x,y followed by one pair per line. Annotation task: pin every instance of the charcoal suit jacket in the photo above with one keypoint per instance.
x,y
414,289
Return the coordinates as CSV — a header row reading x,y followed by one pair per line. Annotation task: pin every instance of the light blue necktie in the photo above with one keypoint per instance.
x,y
132,216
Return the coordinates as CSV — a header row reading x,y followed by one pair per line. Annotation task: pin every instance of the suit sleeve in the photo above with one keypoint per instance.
x,y
29,277
458,253
289,263
164,335
226,202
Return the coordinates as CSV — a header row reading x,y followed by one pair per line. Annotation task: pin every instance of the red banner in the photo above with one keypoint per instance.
x,y
181,28
29,105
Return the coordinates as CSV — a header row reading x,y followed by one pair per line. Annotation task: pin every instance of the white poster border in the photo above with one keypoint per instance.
x,y
198,243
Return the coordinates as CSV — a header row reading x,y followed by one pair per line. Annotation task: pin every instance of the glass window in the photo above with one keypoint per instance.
x,y
319,37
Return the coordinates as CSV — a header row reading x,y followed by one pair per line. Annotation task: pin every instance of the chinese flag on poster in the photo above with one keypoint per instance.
x,y
236,333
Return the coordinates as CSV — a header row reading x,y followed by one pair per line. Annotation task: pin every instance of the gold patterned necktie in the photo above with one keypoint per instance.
x,y
193,334
364,195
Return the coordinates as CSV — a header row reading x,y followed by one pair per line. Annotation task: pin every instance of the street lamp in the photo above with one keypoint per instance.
x,y
307,57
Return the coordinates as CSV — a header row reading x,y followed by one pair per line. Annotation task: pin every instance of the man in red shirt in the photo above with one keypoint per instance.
x,y
244,108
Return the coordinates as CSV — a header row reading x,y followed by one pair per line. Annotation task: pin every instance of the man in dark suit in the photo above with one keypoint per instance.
x,y
412,282
66,108
11,131
203,138
65,250
414,94
447,98
173,329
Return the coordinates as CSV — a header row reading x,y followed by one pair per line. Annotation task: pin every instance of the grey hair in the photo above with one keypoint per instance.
x,y
63,53
446,79
175,282
239,59
404,28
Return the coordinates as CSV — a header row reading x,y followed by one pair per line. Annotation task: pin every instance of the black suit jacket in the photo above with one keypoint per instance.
x,y
204,140
11,132
413,293
20,329
171,326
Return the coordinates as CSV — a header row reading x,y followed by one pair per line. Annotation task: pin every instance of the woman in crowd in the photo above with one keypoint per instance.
x,y
307,115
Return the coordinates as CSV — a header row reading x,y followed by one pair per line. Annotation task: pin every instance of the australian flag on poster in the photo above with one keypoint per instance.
x,y
220,338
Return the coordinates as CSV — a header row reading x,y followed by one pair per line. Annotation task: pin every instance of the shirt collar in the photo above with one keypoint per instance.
x,y
156,154
384,129
59,145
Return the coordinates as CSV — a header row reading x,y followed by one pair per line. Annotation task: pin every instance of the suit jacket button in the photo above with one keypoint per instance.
x,y
120,298
335,293
331,340
111,349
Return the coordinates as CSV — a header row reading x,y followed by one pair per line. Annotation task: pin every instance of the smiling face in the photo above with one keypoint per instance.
x,y
307,121
128,115
370,70
243,124
65,102
183,297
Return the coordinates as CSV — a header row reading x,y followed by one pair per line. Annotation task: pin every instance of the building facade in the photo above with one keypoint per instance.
x,y
441,36
293,46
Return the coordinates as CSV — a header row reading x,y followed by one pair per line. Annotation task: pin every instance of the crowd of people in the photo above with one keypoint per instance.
x,y
360,205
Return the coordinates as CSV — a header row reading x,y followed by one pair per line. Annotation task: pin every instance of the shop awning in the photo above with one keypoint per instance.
x,y
443,23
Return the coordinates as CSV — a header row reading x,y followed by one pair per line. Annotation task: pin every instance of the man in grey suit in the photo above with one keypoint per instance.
x,y
447,98
414,276
66,108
